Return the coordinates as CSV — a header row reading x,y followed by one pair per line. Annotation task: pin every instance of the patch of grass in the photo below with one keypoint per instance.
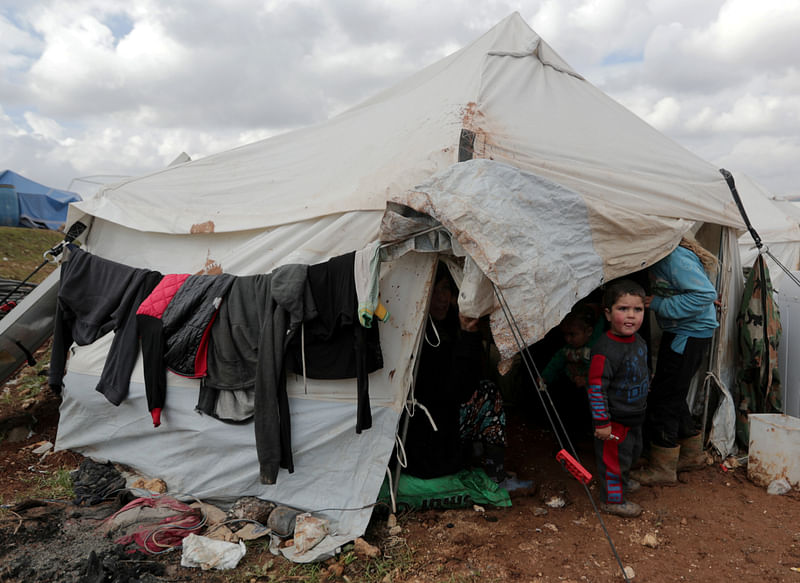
x,y
55,485
395,560
346,566
21,252
30,384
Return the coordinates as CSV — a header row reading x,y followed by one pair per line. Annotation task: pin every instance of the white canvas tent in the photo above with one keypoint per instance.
x,y
568,189
777,225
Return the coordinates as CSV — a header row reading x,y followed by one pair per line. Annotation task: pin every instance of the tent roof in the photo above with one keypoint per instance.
x,y
777,223
523,102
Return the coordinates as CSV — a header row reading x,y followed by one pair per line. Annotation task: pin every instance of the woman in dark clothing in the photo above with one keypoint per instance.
x,y
467,410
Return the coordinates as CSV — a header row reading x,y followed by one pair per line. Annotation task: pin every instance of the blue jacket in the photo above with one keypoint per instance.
x,y
683,298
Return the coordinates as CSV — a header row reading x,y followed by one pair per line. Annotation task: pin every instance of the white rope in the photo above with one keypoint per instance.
x,y
303,354
435,331
391,489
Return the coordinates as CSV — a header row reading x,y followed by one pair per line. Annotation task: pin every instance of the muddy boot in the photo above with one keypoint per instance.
x,y
626,509
692,456
662,469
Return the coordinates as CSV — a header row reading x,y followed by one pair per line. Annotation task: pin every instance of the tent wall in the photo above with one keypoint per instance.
x,y
789,367
778,226
204,457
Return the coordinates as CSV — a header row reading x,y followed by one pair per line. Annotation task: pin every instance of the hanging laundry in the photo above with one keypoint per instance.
x,y
335,344
97,296
233,355
287,307
174,323
367,273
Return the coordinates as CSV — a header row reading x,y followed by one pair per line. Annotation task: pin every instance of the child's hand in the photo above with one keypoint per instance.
x,y
603,433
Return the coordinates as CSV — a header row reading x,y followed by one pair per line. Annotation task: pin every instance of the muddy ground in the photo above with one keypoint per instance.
x,y
714,526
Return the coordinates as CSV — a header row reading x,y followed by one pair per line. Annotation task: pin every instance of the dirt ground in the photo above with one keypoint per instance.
x,y
714,526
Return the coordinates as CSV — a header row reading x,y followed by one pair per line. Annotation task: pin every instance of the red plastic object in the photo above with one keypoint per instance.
x,y
573,467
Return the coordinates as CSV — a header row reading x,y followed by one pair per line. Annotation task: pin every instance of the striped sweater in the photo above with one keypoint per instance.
x,y
618,380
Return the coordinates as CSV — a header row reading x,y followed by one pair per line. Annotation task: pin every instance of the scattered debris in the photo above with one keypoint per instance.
x,y
207,553
249,508
40,447
556,502
629,573
336,570
539,511
477,508
731,462
779,487
154,486
308,531
364,549
153,525
550,526
282,520
17,434
115,565
93,482
650,540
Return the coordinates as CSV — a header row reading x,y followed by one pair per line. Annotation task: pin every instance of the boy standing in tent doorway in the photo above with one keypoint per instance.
x,y
467,410
618,382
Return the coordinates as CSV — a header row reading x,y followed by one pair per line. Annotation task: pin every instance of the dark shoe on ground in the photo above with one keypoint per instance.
x,y
626,509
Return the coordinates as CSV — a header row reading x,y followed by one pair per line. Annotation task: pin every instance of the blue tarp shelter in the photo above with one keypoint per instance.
x,y
40,206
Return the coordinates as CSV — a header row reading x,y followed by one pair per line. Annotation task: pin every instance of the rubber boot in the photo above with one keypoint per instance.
x,y
662,469
692,456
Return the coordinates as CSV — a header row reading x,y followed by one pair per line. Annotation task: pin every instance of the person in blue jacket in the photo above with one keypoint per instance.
x,y
684,302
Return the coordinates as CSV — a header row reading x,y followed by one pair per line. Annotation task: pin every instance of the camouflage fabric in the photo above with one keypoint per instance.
x,y
758,385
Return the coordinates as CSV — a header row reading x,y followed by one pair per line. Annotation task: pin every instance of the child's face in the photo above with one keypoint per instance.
x,y
626,315
576,334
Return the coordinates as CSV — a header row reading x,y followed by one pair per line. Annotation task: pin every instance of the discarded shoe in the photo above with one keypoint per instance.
x,y
626,509
633,485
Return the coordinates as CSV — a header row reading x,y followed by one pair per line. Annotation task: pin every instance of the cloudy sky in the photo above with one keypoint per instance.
x,y
103,87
